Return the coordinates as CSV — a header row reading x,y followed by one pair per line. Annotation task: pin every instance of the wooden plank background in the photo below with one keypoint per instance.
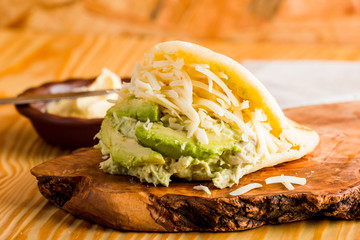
x,y
43,40
310,21
30,59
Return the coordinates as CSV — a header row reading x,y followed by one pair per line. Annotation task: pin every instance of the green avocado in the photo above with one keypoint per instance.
x,y
153,152
139,109
124,150
174,144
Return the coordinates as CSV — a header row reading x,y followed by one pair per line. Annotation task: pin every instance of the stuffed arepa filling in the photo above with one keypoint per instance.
x,y
179,117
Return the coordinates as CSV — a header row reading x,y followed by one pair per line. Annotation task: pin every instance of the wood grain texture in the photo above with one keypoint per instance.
x,y
76,184
28,59
311,21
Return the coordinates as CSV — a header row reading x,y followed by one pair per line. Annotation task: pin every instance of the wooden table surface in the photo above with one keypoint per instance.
x,y
29,59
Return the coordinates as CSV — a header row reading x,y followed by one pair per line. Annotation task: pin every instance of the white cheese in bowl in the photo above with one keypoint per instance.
x,y
88,107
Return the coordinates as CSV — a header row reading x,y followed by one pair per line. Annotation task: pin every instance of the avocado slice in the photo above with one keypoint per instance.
x,y
126,151
174,144
139,109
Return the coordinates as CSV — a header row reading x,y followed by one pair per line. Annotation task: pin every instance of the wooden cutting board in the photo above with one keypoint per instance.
x,y
75,184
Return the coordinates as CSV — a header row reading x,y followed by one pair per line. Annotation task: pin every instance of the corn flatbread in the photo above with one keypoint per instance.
x,y
191,113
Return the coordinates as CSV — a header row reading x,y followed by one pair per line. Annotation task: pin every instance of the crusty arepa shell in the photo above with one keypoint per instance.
x,y
246,86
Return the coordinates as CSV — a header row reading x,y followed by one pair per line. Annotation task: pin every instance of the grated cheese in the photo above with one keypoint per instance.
x,y
261,135
152,80
141,84
207,66
201,136
202,188
162,63
182,89
148,124
212,106
223,103
222,75
270,144
287,181
176,83
164,76
171,93
245,189
241,125
210,85
203,86
218,81
188,87
260,116
288,185
244,105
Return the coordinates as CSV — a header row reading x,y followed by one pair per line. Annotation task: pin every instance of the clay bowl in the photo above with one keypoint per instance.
x,y
67,132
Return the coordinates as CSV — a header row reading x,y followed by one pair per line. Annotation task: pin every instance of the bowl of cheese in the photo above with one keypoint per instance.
x,y
71,123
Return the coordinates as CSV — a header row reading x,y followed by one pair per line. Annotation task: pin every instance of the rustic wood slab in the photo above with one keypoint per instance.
x,y
75,184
